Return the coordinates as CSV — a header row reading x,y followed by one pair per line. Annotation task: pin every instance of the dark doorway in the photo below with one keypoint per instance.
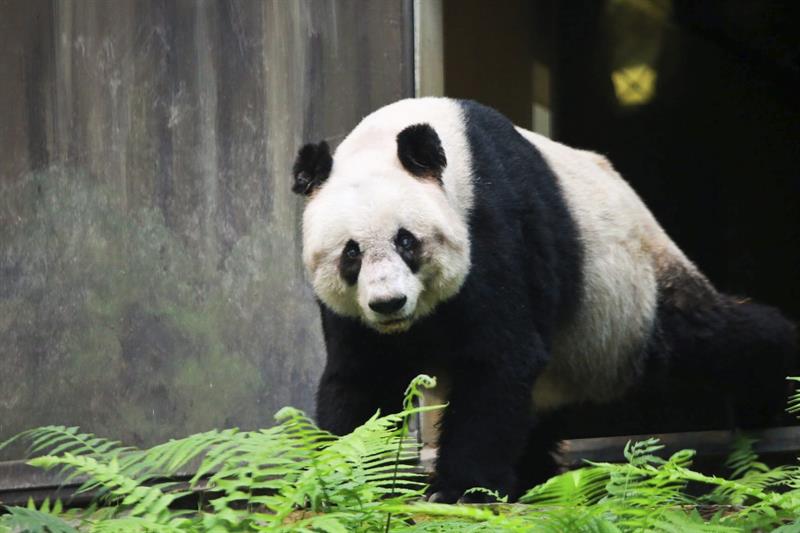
x,y
713,143
695,103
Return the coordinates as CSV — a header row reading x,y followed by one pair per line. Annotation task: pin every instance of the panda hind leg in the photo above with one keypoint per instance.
x,y
538,462
739,350
763,346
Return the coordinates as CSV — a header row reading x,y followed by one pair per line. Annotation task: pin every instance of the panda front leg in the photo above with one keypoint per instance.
x,y
348,396
360,376
485,428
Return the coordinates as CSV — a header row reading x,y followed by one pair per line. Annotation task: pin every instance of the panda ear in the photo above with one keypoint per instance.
x,y
311,167
420,151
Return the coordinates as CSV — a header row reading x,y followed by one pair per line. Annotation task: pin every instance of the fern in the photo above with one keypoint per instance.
x,y
794,400
743,458
32,520
296,477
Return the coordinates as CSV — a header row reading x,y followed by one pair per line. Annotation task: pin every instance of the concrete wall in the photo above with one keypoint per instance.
x,y
150,281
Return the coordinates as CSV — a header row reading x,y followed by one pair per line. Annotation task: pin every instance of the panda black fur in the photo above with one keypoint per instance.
x,y
442,239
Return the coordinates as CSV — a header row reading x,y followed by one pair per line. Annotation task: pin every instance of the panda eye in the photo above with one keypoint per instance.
x,y
351,250
405,240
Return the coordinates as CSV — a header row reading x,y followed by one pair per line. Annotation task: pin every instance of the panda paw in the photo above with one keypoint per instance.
x,y
443,496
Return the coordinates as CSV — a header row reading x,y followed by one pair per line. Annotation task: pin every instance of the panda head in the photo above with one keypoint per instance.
x,y
381,241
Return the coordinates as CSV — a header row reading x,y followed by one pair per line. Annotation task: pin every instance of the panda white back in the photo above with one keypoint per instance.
x,y
598,354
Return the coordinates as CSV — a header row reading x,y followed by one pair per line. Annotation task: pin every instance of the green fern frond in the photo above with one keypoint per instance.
x,y
296,477
743,458
61,439
789,527
135,524
793,406
150,502
642,452
581,487
167,459
675,521
34,521
415,390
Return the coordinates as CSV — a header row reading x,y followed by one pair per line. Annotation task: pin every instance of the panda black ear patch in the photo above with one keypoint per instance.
x,y
420,151
311,167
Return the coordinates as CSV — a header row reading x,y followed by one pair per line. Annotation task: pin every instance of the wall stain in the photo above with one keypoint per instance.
x,y
150,276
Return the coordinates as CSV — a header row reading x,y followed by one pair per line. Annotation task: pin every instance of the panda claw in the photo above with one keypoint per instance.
x,y
443,496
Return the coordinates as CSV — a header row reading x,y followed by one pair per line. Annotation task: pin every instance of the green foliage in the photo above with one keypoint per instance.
x,y
30,519
296,477
794,399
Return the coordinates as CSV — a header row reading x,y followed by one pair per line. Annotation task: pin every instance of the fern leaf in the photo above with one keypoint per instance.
x,y
34,521
794,400
60,439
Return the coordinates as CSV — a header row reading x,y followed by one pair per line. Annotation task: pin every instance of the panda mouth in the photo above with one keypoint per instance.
x,y
392,321
394,324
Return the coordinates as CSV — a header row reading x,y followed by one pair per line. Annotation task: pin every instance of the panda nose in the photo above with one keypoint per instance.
x,y
389,306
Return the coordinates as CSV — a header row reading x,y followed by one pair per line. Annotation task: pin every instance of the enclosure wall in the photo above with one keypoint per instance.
x,y
150,280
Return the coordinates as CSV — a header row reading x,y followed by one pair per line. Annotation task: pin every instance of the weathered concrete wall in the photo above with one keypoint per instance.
x,y
150,282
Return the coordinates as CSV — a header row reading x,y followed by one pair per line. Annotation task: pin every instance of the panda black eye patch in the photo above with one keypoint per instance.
x,y
408,247
350,262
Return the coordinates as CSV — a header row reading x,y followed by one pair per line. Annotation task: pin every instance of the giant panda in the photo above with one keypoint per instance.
x,y
441,238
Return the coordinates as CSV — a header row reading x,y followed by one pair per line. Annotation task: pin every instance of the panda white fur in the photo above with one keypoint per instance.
x,y
440,238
